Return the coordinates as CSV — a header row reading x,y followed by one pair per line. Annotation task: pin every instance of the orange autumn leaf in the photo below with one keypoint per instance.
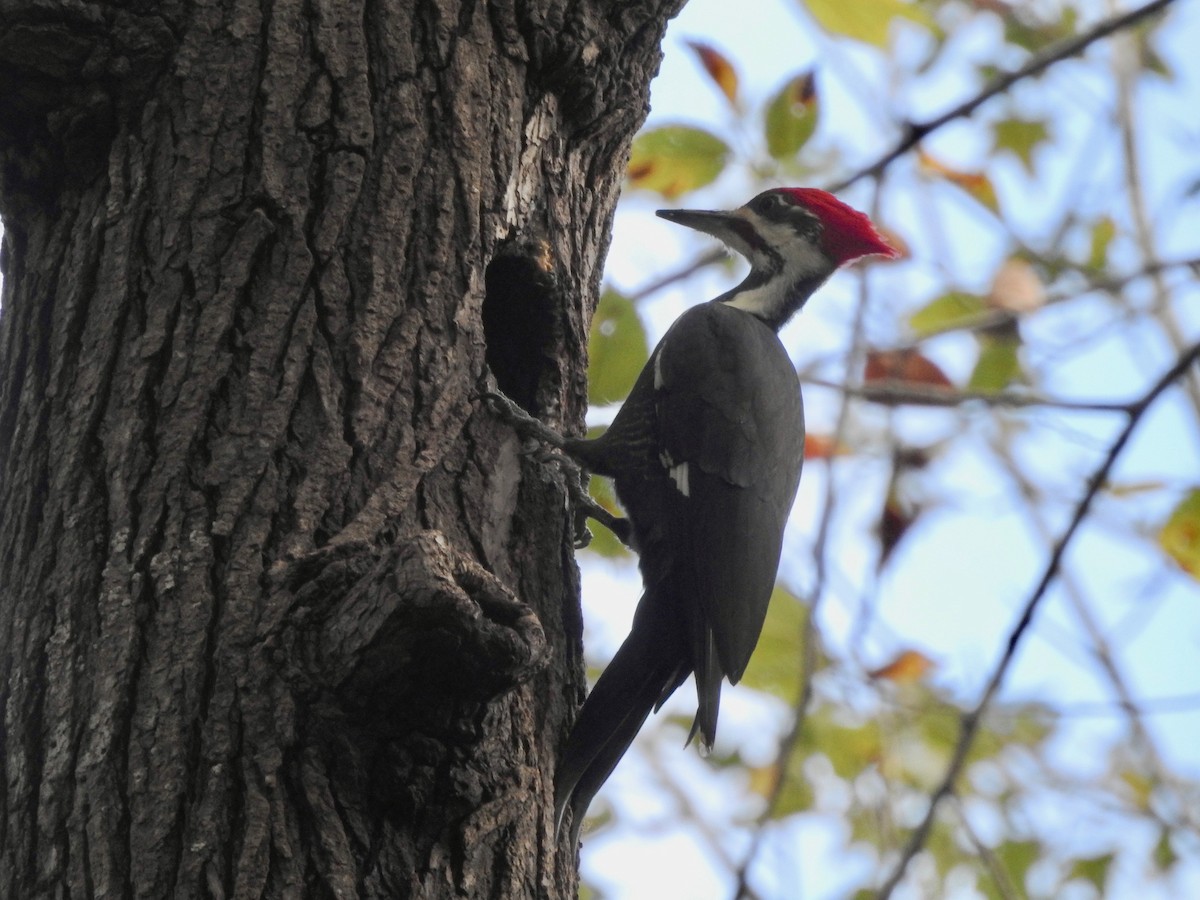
x,y
719,69
905,367
977,184
823,446
908,667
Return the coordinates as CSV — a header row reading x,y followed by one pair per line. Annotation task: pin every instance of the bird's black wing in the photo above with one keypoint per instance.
x,y
729,413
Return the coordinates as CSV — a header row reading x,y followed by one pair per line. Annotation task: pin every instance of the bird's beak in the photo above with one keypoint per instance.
x,y
715,222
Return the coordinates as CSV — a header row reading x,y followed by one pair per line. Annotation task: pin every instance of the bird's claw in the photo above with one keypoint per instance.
x,y
529,427
543,444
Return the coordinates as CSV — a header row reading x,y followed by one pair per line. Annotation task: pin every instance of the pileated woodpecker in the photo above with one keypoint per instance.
x,y
705,455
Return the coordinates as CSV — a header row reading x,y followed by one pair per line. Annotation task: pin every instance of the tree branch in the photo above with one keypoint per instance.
x,y
1038,63
905,394
971,720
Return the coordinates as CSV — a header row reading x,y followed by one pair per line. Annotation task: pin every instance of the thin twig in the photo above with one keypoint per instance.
x,y
703,261
1101,651
1038,63
1143,230
996,318
904,394
1004,886
971,720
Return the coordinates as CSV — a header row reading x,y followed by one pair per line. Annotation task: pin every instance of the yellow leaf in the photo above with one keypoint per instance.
x,y
1180,536
763,779
1103,232
864,20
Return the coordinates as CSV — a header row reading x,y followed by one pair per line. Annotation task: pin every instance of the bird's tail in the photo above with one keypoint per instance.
x,y
646,670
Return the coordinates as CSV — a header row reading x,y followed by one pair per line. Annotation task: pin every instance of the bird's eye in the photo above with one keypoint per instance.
x,y
772,202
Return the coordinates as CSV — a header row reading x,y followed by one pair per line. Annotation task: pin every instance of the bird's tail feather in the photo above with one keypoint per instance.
x,y
644,672
708,692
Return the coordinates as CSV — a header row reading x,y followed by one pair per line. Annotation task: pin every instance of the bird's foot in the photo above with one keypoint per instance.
x,y
547,446
525,425
587,508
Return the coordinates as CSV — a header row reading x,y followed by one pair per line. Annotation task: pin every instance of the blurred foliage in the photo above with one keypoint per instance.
x,y
617,348
869,743
791,116
675,159
1180,536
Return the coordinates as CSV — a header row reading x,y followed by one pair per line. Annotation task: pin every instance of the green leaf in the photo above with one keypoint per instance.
x,y
864,20
791,116
998,365
849,745
1024,30
675,159
1103,232
942,847
1164,854
1148,55
1180,536
1137,786
1016,857
1029,724
617,349
777,662
796,794
1094,870
947,312
1020,137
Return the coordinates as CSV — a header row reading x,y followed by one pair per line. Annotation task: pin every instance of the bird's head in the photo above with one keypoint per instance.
x,y
793,238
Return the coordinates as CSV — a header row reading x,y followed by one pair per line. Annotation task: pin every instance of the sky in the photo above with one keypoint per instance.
x,y
983,559
984,562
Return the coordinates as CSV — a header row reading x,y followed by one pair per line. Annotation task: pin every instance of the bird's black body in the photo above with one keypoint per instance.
x,y
706,455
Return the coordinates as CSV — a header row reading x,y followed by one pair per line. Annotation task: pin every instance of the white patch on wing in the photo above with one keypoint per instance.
x,y
679,474
658,379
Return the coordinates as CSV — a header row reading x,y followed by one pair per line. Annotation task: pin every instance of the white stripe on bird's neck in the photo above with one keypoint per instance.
x,y
775,299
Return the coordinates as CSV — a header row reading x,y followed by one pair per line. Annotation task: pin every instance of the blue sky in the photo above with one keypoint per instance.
x,y
957,583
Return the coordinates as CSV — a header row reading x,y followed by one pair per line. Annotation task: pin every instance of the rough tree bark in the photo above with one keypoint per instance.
x,y
283,612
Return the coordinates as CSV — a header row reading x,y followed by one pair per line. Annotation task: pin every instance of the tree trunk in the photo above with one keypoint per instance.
x,y
283,610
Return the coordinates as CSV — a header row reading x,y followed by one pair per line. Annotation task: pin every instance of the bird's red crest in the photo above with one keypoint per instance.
x,y
849,234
